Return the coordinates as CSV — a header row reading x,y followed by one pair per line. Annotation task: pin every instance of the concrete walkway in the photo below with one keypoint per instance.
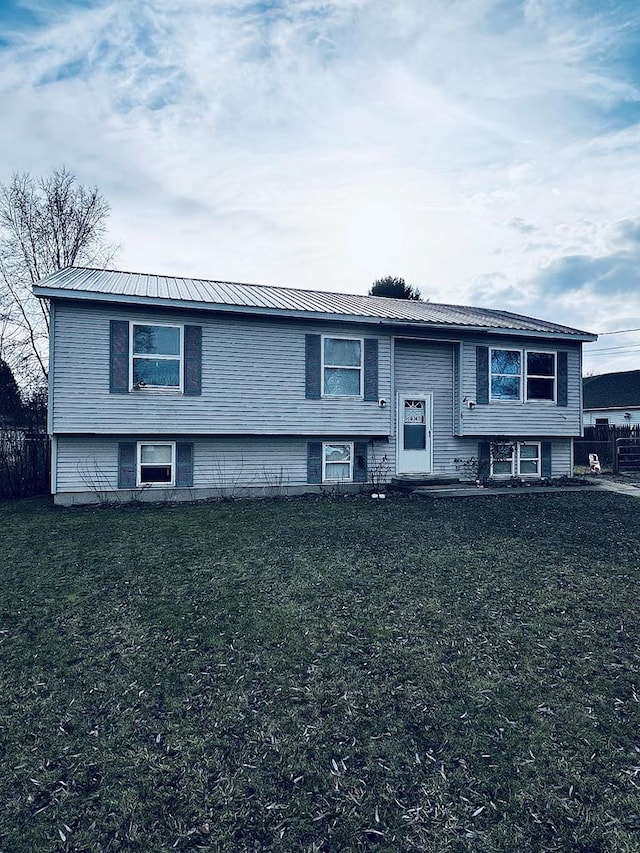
x,y
470,490
631,489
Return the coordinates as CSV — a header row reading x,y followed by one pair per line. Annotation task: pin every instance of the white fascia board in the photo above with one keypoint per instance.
x,y
146,301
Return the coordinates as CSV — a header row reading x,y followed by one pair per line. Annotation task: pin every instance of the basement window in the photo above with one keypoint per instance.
x,y
337,462
156,464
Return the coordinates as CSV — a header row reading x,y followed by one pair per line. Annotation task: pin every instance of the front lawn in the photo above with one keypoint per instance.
x,y
322,675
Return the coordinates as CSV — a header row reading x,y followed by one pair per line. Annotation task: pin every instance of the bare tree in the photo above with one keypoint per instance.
x,y
46,224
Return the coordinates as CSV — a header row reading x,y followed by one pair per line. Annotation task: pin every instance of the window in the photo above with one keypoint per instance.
x,y
337,462
529,459
341,367
156,355
541,376
507,375
602,421
519,459
156,464
502,459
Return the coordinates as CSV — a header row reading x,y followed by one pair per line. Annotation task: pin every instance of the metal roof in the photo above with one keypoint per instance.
x,y
612,390
144,288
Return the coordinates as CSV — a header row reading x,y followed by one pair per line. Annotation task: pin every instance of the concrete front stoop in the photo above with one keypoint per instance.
x,y
411,482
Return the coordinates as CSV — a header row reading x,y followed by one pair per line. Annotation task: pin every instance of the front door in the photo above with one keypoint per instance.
x,y
414,433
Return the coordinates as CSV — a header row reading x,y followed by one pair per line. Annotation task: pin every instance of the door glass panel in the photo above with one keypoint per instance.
x,y
414,411
414,437
415,432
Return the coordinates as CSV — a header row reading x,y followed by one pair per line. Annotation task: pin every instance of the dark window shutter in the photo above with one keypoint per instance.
x,y
184,464
119,357
371,369
484,460
360,452
312,367
546,458
563,379
127,465
482,374
193,360
314,462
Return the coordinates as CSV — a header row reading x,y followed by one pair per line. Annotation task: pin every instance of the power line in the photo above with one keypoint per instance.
x,y
619,350
619,332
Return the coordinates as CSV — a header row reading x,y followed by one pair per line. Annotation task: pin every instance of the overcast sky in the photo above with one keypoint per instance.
x,y
486,151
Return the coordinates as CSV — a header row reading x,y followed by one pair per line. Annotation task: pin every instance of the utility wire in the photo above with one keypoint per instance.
x,y
622,346
619,350
619,332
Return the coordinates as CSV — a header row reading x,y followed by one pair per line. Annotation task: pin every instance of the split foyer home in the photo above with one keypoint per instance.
x,y
176,388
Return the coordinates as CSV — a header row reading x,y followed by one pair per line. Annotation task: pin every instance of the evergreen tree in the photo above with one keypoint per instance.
x,y
10,400
394,287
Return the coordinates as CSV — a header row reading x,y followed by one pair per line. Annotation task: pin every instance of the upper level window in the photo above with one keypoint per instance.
x,y
514,371
156,355
341,367
506,374
541,376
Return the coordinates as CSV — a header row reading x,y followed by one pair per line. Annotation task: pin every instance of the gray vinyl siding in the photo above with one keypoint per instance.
x,y
219,462
504,417
241,465
561,458
429,367
253,379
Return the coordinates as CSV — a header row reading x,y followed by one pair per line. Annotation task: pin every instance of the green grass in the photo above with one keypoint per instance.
x,y
322,675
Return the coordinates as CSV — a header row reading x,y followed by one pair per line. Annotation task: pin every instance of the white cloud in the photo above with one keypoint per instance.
x,y
324,144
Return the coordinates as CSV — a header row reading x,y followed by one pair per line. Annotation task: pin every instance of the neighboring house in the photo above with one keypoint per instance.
x,y
179,388
612,399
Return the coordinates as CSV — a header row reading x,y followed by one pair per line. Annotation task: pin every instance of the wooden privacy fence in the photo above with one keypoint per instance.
x,y
618,447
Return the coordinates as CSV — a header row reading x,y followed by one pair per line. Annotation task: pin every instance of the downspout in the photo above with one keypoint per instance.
x,y
393,404
53,438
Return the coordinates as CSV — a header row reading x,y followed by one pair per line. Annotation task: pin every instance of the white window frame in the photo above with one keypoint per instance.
x,y
140,445
538,459
538,376
360,369
179,358
516,459
510,375
325,478
524,376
